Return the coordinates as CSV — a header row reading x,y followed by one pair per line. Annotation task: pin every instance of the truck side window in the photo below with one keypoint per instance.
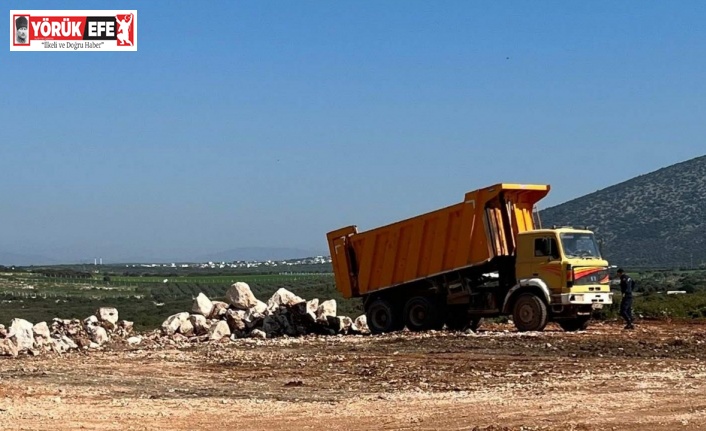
x,y
546,247
541,247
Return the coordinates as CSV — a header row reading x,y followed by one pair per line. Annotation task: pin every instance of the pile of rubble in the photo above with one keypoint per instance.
x,y
243,315
63,334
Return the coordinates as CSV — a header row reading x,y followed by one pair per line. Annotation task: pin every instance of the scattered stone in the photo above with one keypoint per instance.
x,y
125,328
90,321
345,324
326,309
202,305
107,314
236,320
240,296
133,341
200,324
361,323
8,347
283,298
42,334
219,330
173,323
256,333
260,307
23,331
187,328
219,310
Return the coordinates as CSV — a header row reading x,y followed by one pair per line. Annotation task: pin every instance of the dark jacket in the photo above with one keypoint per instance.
x,y
627,285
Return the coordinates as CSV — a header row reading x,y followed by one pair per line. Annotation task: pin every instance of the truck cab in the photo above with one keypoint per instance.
x,y
566,266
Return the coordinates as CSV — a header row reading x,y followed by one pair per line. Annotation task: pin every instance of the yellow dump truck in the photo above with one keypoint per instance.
x,y
479,258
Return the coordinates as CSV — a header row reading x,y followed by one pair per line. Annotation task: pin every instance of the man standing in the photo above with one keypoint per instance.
x,y
626,287
21,36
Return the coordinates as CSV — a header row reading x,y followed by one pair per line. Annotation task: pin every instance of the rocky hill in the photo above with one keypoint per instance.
x,y
656,219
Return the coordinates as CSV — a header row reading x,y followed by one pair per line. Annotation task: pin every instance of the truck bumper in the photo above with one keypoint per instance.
x,y
595,299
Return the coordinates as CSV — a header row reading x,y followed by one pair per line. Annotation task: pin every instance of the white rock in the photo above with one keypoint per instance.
x,y
98,334
326,309
219,330
126,327
64,344
345,324
23,331
173,323
236,320
256,333
186,328
311,308
8,347
361,324
260,307
133,341
200,324
42,335
240,296
283,297
219,309
3,331
107,314
202,305
94,345
90,321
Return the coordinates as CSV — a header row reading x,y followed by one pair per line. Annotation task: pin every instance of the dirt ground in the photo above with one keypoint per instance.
x,y
653,378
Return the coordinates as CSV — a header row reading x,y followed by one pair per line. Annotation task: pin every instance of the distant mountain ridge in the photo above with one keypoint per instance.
x,y
655,219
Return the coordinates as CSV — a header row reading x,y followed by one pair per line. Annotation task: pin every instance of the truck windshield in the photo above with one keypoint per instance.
x,y
579,245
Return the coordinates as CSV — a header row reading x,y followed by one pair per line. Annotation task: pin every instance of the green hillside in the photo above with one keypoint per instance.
x,y
656,219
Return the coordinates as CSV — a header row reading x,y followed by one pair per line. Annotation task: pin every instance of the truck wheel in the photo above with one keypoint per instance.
x,y
572,325
381,317
529,313
421,314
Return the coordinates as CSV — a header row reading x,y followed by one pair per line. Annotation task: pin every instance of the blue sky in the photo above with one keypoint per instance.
x,y
240,124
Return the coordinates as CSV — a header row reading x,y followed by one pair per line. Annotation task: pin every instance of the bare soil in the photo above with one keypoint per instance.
x,y
653,378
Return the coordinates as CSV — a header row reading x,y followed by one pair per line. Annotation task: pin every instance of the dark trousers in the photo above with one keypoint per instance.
x,y
626,309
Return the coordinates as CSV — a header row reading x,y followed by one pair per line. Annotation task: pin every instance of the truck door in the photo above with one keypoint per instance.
x,y
539,257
